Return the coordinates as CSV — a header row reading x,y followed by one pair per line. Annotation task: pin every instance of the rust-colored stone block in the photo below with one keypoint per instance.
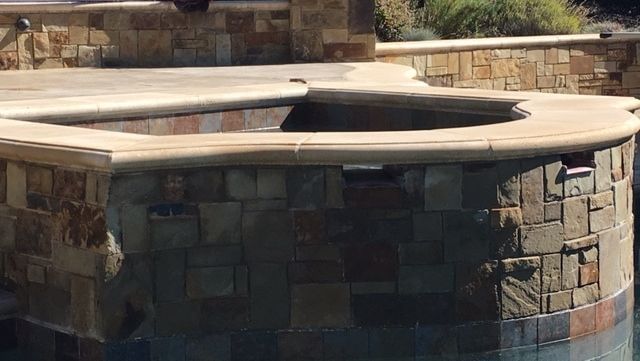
x,y
582,321
588,273
232,121
309,226
605,314
69,184
374,262
240,22
582,65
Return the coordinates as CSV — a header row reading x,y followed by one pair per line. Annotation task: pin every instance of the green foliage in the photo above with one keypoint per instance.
x,y
607,26
478,18
419,35
393,17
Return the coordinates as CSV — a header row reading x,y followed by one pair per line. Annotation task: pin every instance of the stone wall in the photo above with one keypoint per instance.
x,y
276,262
568,66
157,35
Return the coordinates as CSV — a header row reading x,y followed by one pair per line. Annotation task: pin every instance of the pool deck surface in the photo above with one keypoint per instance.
x,y
545,124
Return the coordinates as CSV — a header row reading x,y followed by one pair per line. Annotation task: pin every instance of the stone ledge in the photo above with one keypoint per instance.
x,y
446,46
151,6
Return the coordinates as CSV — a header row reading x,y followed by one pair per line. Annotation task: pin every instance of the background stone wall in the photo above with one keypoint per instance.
x,y
276,262
313,31
593,69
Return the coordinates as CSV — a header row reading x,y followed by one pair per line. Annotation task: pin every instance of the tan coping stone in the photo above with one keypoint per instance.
x,y
116,152
445,46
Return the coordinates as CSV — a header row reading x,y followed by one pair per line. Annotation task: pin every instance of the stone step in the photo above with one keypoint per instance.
x,y
8,305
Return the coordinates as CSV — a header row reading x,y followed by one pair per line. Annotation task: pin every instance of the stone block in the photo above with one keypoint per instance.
x,y
505,68
240,184
588,273
89,56
254,346
601,200
551,273
315,272
169,275
553,180
210,282
420,253
224,313
589,255
609,261
557,301
214,256
333,187
371,262
620,196
575,217
520,288
309,226
570,271
528,79
168,349
582,64
35,232
420,279
630,80
154,47
221,223
320,305
479,190
542,239
535,55
601,219
271,183
506,218
466,65
217,347
480,72
603,170
269,295
586,295
48,304
36,274
373,288
392,343
579,184
532,179
39,179
83,305
481,57
508,173
467,236
306,188
205,185
277,245
7,232
345,344
443,188
178,318
427,226
296,345
553,211
135,228
476,291
174,232
16,185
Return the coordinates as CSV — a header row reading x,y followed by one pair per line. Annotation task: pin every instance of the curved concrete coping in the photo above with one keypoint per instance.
x,y
445,46
545,124
150,6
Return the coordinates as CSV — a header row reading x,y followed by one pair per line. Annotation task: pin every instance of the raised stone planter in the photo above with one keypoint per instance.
x,y
253,245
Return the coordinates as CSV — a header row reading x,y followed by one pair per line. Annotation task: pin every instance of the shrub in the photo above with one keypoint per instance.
x,y
393,17
474,18
603,26
419,35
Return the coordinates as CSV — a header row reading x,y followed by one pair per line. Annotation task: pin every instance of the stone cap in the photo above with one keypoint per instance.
x,y
446,46
543,123
153,6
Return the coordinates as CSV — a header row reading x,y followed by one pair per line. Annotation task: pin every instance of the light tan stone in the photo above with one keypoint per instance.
x,y
129,46
102,37
555,302
528,76
564,56
437,60
110,51
8,39
582,65
505,67
436,71
546,81
78,35
50,63
25,51
501,53
55,22
453,63
481,72
481,57
561,69
518,53
69,51
420,64
551,56
40,45
534,56
334,35
466,67
500,84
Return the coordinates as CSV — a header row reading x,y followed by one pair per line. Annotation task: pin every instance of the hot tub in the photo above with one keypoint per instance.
x,y
336,211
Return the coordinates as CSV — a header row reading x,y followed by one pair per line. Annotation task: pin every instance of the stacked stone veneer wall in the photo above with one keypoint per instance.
x,y
264,33
316,262
571,67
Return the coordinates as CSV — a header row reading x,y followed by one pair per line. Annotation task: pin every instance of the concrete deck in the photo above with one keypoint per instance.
x,y
546,123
